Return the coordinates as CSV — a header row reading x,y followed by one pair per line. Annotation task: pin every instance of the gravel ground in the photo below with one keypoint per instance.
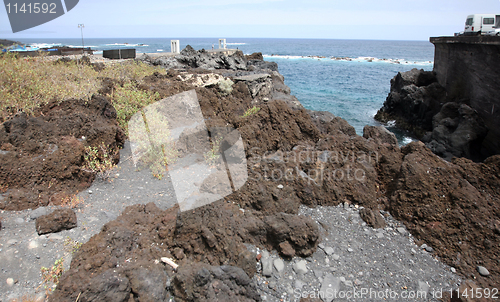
x,y
23,252
352,257
355,262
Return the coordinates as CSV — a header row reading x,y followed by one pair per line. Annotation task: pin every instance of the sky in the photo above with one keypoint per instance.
x,y
315,19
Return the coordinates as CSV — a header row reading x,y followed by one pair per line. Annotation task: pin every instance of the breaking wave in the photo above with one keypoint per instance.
x,y
349,59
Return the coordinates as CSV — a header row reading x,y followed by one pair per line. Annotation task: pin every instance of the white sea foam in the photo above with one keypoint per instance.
x,y
127,44
358,59
391,123
80,46
44,45
407,140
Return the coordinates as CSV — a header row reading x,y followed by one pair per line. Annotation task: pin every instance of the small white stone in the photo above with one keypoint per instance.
x,y
33,245
300,267
280,187
10,281
483,271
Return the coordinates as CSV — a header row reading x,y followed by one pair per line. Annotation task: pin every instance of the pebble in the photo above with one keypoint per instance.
x,y
299,284
350,250
336,257
423,287
429,249
267,266
328,250
380,235
33,245
483,271
300,267
402,231
318,273
453,270
330,284
10,281
279,265
280,187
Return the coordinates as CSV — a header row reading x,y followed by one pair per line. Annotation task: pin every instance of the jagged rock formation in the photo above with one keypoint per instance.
x,y
449,127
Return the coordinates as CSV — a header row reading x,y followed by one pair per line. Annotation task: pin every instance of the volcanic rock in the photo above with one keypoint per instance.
x,y
59,220
372,218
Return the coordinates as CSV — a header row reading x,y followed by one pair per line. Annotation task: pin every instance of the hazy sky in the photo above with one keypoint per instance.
x,y
329,19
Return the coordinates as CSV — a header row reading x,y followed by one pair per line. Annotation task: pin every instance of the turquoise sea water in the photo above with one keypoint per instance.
x,y
350,78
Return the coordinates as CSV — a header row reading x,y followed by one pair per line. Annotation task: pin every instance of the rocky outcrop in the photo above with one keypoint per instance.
x,y
449,127
415,97
190,58
42,157
465,79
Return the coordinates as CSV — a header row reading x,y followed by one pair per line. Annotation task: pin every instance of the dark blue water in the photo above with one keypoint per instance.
x,y
350,78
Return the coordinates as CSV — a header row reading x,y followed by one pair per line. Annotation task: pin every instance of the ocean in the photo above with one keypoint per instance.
x,y
350,78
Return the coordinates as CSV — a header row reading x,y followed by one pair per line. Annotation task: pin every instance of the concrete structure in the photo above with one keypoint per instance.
x,y
175,46
469,68
222,43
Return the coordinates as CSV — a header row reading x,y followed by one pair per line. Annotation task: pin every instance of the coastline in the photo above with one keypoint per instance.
x,y
323,132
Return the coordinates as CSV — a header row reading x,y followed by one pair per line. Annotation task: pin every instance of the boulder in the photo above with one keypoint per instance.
x,y
59,220
286,230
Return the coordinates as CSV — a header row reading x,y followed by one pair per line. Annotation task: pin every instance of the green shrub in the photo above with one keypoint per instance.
x,y
226,86
128,100
251,111
98,160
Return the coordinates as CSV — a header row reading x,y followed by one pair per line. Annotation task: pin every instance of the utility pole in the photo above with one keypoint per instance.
x,y
81,26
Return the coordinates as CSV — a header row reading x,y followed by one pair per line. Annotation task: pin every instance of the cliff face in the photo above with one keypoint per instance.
x,y
453,109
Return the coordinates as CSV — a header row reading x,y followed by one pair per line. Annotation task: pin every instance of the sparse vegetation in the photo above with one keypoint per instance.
x,y
128,100
72,245
154,145
212,155
51,276
73,201
28,83
98,160
226,86
251,111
